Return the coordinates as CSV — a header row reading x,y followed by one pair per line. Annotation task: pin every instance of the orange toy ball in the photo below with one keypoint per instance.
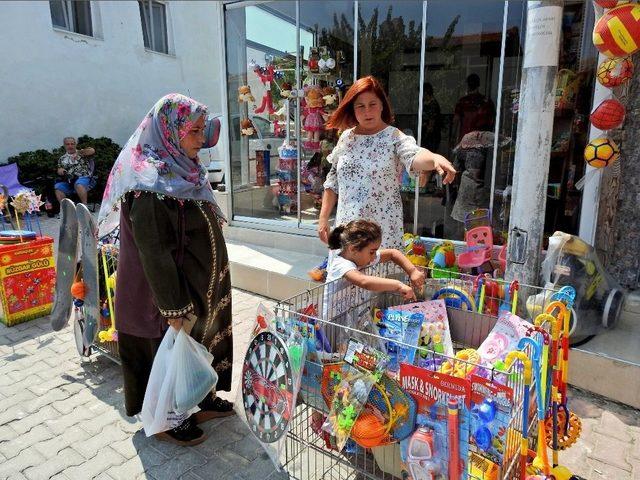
x,y
601,152
608,115
368,431
614,72
78,290
617,33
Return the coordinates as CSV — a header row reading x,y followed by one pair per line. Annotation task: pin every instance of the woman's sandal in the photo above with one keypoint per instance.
x,y
213,407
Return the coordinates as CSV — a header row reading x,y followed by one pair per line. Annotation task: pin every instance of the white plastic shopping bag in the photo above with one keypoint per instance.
x,y
180,378
157,415
195,377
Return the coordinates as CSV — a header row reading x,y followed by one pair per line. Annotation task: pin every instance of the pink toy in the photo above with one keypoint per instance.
x,y
313,120
503,338
480,243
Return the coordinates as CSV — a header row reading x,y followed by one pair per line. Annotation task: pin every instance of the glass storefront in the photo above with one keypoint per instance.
x,y
451,69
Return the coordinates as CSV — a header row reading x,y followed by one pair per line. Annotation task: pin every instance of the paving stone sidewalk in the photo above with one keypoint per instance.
x,y
62,417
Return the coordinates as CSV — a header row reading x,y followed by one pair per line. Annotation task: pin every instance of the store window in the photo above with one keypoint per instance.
x,y
571,120
326,74
462,65
472,54
389,46
502,176
260,45
265,59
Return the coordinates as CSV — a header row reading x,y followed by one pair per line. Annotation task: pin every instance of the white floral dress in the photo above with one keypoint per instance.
x,y
365,175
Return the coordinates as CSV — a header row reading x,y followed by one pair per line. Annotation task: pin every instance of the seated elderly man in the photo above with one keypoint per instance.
x,y
74,171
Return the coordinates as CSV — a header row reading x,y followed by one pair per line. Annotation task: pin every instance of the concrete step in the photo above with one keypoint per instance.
x,y
609,363
272,272
612,378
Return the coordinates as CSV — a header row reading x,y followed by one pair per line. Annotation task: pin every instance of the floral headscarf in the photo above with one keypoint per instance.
x,y
153,161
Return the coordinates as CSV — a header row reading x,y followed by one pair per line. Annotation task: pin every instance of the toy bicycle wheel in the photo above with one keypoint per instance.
x,y
267,387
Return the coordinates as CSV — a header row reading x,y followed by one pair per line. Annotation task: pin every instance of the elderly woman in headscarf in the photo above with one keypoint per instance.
x,y
173,267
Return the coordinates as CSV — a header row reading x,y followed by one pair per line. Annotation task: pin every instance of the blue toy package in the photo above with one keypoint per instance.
x,y
491,410
404,327
439,448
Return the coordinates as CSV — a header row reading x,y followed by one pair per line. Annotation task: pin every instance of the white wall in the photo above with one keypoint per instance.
x,y
55,83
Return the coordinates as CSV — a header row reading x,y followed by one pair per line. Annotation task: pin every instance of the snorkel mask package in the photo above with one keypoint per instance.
x,y
438,449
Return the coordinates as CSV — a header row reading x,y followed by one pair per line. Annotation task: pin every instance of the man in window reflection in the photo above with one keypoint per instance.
x,y
473,112
431,120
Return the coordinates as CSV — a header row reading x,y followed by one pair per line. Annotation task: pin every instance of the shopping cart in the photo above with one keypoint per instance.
x,y
307,454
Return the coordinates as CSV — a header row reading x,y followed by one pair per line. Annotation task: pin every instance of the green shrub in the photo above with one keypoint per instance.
x,y
38,168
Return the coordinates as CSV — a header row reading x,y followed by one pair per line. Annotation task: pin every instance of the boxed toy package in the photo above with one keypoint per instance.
x,y
438,449
400,329
435,334
502,339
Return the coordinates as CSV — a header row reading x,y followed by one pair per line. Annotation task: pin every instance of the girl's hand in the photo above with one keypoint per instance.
x,y
176,322
444,168
406,291
323,230
417,279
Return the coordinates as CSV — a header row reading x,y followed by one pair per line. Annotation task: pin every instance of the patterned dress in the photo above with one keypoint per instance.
x,y
365,174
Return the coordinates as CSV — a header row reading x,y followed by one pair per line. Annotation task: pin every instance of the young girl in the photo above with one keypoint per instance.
x,y
355,246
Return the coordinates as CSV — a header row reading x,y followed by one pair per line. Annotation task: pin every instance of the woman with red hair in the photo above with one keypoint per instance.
x,y
367,160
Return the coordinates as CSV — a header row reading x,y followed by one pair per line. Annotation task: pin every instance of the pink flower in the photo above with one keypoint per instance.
x,y
136,153
193,178
139,165
107,187
144,123
184,110
165,131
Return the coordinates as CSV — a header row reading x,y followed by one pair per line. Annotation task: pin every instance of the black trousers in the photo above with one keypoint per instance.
x,y
136,355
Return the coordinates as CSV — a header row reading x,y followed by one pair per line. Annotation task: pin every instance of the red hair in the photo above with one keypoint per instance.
x,y
344,117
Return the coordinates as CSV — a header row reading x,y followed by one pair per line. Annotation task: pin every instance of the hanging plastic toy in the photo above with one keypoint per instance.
x,y
608,115
617,33
266,76
614,72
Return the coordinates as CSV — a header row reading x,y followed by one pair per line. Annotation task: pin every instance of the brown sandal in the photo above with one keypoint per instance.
x,y
186,434
213,407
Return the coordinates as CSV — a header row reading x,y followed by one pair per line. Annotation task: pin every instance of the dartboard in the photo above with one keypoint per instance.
x,y
267,387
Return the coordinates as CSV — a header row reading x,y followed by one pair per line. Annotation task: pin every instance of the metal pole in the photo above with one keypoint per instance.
x,y
423,48
590,203
503,44
298,142
533,145
355,40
